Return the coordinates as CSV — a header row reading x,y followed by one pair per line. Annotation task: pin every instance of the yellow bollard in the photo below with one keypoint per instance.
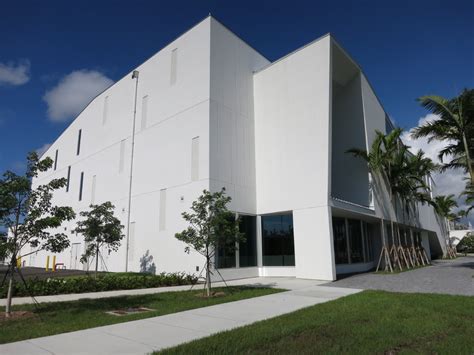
x,y
54,263
18,262
47,263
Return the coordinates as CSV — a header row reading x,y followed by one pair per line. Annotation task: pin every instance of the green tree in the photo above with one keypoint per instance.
x,y
211,226
30,216
444,206
100,228
402,173
468,193
379,162
455,126
466,245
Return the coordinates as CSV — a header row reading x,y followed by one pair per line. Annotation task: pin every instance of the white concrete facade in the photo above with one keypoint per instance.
x,y
212,112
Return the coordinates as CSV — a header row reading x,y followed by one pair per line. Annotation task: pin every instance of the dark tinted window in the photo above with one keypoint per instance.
x,y
355,241
225,257
56,160
278,240
79,142
68,178
80,186
248,249
340,242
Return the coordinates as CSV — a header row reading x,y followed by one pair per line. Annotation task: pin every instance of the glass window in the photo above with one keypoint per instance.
x,y
370,235
388,234
355,241
367,233
340,242
248,248
278,240
352,241
80,186
225,258
79,142
68,178
56,160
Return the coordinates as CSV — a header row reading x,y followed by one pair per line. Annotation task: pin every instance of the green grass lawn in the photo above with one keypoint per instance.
x,y
368,322
61,317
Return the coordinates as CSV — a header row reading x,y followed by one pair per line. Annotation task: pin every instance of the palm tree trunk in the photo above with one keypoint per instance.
x,y
468,158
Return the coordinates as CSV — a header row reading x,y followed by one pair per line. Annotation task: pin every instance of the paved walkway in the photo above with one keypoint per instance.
x,y
146,335
285,283
444,276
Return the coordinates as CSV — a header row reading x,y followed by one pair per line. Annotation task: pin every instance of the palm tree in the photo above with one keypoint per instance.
x,y
404,175
383,161
455,126
444,206
469,195
412,187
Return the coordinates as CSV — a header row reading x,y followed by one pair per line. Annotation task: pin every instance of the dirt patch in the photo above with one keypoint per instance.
x,y
16,315
131,310
213,295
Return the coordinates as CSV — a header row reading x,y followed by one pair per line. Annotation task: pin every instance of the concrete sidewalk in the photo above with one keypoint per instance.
x,y
146,335
285,283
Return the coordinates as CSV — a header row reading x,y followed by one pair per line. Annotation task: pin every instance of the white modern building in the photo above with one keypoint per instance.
x,y
213,112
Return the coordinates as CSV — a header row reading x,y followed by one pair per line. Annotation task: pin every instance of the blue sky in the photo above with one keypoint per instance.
x,y
406,48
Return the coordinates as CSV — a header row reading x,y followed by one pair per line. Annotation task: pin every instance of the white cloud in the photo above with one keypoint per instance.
x,y
41,150
449,182
15,74
73,93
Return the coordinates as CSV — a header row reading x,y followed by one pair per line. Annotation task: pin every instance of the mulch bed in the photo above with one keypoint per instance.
x,y
213,294
16,315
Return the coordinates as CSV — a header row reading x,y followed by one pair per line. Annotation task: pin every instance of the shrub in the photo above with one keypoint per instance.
x,y
106,282
466,245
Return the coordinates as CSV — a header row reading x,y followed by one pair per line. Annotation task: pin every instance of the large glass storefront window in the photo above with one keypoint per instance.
x,y
355,241
340,242
278,240
248,249
352,241
225,258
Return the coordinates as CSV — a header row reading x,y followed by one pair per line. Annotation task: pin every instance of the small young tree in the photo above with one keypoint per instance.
x,y
211,226
100,228
30,216
146,263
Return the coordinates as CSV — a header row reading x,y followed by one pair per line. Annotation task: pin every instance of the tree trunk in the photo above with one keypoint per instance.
x,y
96,259
10,287
9,297
468,158
208,278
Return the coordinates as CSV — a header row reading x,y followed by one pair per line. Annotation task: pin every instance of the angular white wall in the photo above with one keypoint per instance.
x,y
174,89
292,140
232,133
